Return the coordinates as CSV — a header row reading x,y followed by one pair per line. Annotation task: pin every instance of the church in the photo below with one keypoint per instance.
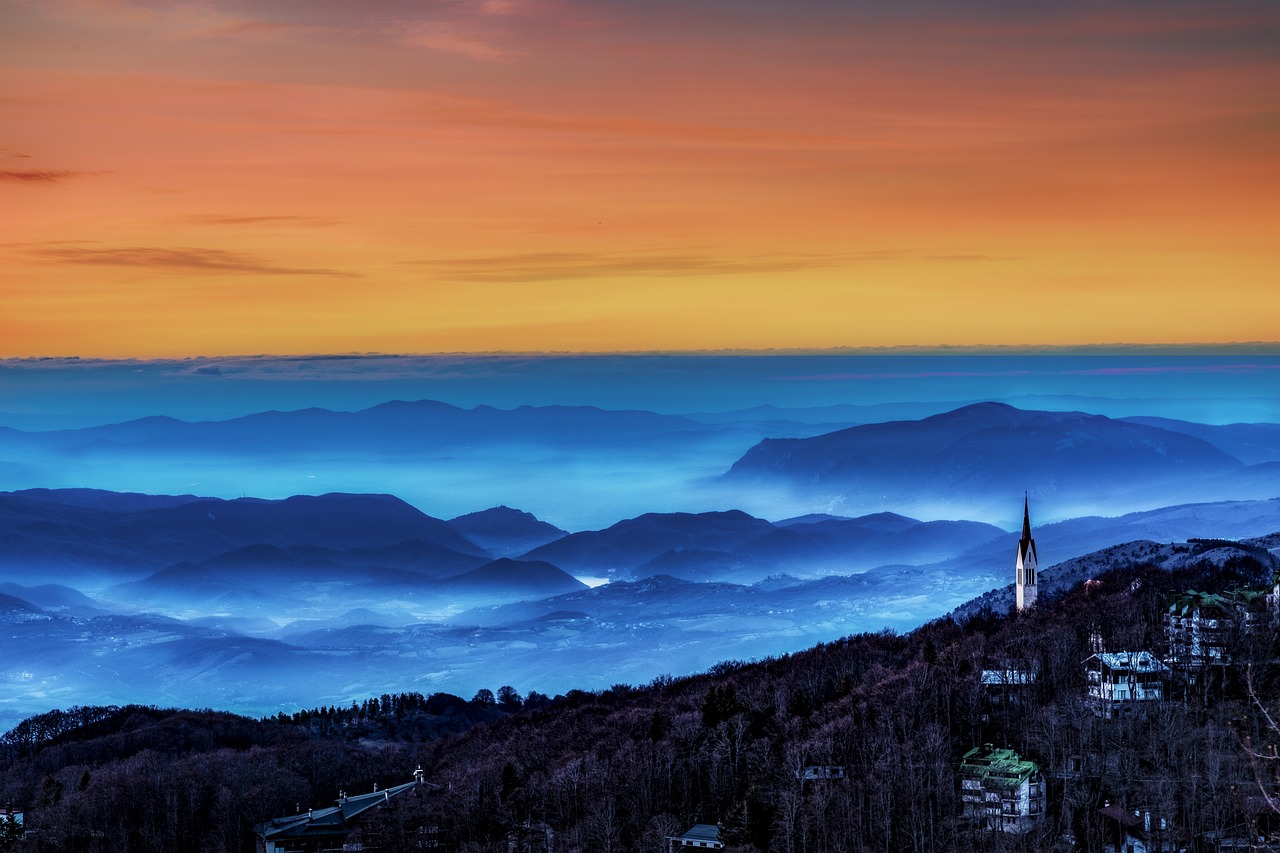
x,y
1025,568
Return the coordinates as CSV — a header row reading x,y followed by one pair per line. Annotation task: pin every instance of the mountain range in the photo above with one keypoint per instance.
x,y
394,427
239,601
587,467
979,455
81,534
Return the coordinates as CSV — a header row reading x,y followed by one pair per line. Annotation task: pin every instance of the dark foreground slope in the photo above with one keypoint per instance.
x,y
624,768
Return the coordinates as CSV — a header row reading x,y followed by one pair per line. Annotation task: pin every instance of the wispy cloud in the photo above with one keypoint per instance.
x,y
560,266
463,28
551,266
449,37
283,220
186,259
39,176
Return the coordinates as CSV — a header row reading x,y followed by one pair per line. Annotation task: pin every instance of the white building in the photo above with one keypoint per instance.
x,y
1120,682
1001,789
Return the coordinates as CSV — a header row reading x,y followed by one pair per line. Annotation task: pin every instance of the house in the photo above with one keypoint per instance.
x,y
1200,626
1002,684
1136,831
1002,790
702,835
327,829
1120,682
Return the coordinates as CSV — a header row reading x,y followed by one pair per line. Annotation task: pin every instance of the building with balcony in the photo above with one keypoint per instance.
x,y
1001,790
1123,682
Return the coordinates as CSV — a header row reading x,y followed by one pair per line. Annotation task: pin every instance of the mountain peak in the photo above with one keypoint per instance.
x,y
979,457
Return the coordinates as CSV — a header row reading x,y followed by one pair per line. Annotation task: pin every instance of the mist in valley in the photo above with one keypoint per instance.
x,y
702,510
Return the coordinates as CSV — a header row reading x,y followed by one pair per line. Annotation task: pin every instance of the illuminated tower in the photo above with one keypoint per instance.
x,y
1025,571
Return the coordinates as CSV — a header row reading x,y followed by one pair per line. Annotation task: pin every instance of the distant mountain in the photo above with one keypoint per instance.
x,y
506,532
738,548
414,555
700,565
845,546
843,414
396,426
816,517
628,544
535,578
978,457
656,598
106,500
263,580
245,578
53,597
41,533
992,562
442,458
1250,443
13,607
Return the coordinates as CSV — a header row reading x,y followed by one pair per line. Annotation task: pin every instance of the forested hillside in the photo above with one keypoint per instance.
x,y
627,767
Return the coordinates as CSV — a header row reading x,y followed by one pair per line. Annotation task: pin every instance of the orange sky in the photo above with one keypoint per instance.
x,y
248,177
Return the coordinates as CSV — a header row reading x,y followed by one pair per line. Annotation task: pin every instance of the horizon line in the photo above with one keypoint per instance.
x,y
1263,348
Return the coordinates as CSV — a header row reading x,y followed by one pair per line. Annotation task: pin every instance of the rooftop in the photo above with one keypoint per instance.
x,y
320,823
1185,603
703,832
1002,767
1142,661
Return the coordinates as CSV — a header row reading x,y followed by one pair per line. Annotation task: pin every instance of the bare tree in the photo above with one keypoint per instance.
x,y
1263,756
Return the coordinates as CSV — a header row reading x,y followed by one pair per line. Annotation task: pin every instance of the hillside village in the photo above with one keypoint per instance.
x,y
1127,713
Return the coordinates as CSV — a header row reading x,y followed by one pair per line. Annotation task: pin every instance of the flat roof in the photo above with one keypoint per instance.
x,y
1002,767
702,832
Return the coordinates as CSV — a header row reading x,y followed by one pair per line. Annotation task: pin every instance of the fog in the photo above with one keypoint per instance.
x,y
259,647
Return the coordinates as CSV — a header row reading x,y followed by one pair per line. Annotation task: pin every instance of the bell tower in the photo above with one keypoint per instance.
x,y
1025,569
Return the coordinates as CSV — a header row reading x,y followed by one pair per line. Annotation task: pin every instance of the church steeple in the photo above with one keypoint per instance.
x,y
1025,568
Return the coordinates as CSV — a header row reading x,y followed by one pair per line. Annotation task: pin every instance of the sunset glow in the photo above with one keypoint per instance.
x,y
235,177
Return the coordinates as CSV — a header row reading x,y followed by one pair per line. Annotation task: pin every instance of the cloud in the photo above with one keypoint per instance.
x,y
451,38
39,176
560,266
300,221
186,259
462,27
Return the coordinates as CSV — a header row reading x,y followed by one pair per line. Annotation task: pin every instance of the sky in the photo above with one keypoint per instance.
x,y
229,177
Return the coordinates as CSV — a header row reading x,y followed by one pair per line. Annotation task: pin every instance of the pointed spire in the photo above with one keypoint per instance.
x,y
1025,572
